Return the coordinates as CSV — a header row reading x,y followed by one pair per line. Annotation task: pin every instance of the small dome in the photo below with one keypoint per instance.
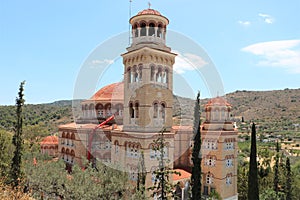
x,y
149,11
110,92
50,140
217,101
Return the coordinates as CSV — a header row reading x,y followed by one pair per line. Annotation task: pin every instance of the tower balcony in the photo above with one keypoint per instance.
x,y
148,39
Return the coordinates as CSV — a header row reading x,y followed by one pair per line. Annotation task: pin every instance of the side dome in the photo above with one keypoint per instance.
x,y
50,140
114,92
217,101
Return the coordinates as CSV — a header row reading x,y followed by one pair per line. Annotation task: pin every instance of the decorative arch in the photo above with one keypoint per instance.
x,y
151,29
143,26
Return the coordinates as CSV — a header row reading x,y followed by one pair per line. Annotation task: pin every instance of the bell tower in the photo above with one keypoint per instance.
x,y
148,75
219,150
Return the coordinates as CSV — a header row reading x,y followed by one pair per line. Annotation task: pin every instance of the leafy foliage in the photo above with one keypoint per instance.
x,y
102,182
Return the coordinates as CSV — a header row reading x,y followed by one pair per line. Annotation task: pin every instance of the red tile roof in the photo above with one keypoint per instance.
x,y
149,11
217,101
50,140
110,92
184,175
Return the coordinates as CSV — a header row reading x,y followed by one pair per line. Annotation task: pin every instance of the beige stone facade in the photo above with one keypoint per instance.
x,y
142,106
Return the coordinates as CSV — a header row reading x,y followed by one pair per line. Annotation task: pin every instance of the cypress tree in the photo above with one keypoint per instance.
x,y
196,155
253,193
288,184
276,170
15,171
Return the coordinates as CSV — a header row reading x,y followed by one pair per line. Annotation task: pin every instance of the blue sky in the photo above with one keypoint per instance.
x,y
254,45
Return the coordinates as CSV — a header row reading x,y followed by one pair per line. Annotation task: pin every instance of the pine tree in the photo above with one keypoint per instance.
x,y
288,190
16,172
196,155
253,193
276,169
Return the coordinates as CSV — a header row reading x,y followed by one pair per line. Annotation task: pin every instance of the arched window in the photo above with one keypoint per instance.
x,y
209,178
108,110
155,110
129,75
136,31
136,105
163,111
151,29
140,72
228,179
152,73
131,110
119,110
159,31
135,74
143,29
99,110
159,75
166,77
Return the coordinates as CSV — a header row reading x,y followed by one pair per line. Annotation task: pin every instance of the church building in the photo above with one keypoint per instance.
x,y
133,113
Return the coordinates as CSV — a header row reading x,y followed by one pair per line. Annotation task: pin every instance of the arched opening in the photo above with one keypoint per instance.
x,y
151,29
107,108
131,110
136,109
99,110
129,75
135,74
155,110
159,75
152,73
119,110
143,29
159,31
163,111
140,72
135,30
166,76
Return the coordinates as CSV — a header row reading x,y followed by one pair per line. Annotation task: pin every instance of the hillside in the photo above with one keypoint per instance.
x,y
277,110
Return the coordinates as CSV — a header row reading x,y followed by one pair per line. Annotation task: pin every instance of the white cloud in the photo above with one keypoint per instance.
x,y
188,62
284,54
94,64
267,18
244,23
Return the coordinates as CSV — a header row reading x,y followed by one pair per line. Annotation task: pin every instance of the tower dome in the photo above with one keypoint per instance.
x,y
149,11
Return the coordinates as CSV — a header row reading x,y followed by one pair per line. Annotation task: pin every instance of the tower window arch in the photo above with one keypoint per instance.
x,y
136,105
151,29
143,29
135,75
129,74
136,31
152,73
140,72
159,75
159,31
155,110
131,110
163,111
166,76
